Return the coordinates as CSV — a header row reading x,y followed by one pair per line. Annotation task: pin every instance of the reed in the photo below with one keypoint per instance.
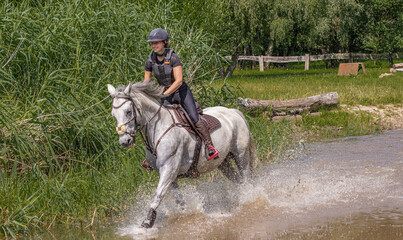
x,y
60,160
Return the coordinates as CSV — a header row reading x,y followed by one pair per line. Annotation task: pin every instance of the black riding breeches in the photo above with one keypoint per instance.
x,y
184,97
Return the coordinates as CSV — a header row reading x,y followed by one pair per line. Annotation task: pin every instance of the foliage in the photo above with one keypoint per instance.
x,y
285,27
57,136
385,24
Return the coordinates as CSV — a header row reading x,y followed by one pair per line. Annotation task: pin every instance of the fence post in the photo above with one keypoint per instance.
x,y
261,65
350,58
306,62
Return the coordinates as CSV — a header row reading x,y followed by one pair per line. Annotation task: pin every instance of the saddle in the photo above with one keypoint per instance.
x,y
185,121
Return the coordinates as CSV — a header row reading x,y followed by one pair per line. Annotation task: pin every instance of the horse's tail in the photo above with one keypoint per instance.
x,y
253,159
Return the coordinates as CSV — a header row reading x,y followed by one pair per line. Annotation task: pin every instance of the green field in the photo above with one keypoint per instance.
x,y
293,82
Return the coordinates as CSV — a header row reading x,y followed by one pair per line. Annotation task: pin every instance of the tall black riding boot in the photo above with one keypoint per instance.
x,y
201,128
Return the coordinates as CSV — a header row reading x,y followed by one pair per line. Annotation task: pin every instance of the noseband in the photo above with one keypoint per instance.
x,y
121,128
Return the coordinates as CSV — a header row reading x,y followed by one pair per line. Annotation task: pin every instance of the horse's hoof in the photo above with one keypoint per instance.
x,y
146,224
149,222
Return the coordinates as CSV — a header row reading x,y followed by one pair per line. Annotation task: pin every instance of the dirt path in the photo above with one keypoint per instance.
x,y
389,116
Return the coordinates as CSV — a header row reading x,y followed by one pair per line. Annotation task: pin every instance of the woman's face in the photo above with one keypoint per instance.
x,y
158,47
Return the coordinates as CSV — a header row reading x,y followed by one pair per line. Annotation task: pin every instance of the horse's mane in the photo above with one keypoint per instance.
x,y
148,87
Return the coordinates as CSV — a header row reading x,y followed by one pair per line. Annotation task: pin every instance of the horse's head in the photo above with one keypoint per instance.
x,y
125,111
132,106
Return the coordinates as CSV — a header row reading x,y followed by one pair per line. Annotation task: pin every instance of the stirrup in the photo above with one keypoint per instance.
x,y
146,165
215,154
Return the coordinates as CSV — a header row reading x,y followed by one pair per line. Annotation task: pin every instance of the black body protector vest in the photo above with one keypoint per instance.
x,y
163,72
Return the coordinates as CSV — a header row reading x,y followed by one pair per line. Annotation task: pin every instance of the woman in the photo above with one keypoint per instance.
x,y
166,67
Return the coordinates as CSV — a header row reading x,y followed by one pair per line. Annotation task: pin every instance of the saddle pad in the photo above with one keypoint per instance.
x,y
212,122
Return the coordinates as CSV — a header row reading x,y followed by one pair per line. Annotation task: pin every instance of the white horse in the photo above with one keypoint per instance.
x,y
170,148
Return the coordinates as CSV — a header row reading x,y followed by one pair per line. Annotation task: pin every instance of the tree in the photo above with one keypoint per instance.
x,y
385,26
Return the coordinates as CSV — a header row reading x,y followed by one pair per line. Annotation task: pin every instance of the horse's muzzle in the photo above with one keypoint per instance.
x,y
127,141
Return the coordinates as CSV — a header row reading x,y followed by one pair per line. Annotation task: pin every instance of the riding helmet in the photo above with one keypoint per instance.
x,y
158,34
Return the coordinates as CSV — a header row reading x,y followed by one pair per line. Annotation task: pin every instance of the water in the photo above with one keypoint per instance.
x,y
350,188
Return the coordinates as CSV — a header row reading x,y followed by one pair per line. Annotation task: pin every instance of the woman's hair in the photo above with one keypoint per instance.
x,y
166,44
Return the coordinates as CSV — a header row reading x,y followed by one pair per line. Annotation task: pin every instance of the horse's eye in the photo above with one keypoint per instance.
x,y
129,113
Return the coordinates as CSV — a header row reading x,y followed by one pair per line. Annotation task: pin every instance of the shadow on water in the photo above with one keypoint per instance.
x,y
350,188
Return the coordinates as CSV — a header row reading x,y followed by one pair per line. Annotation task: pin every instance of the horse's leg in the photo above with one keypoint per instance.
x,y
243,160
167,176
228,170
178,194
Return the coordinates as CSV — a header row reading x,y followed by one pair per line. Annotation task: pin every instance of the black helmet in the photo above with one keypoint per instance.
x,y
158,34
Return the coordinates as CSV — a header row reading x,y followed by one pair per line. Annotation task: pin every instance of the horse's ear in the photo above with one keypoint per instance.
x,y
111,90
128,89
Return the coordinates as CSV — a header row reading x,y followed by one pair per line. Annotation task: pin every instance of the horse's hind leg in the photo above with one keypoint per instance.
x,y
177,193
229,171
244,160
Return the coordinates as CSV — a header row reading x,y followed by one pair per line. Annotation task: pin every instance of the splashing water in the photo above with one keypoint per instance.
x,y
350,188
335,189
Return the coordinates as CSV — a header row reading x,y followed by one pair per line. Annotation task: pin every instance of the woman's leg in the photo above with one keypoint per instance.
x,y
188,103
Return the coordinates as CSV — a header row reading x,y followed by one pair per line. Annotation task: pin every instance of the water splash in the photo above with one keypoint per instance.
x,y
326,180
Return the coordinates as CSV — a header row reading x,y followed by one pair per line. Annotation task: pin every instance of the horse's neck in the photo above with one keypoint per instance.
x,y
153,113
156,120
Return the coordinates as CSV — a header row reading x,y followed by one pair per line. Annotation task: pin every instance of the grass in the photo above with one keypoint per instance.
x,y
293,82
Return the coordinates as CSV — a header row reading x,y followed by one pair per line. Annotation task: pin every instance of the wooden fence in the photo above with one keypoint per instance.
x,y
307,58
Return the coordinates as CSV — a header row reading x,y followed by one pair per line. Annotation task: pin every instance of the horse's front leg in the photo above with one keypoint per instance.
x,y
167,176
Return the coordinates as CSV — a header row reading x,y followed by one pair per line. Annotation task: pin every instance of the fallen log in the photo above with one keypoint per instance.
x,y
398,65
291,107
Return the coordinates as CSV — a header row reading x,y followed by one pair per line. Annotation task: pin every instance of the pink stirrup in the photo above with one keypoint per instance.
x,y
216,152
144,165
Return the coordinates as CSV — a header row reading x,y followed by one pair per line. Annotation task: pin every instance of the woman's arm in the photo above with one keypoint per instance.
x,y
178,76
147,75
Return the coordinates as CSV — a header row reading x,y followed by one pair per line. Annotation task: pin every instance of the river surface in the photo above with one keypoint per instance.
x,y
348,188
